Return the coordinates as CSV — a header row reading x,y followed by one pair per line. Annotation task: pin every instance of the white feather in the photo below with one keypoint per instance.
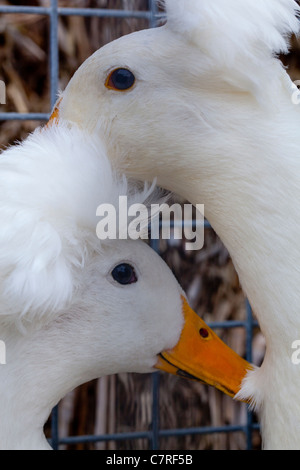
x,y
238,36
50,187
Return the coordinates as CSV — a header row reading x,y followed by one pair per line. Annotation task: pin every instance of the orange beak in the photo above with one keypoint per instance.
x,y
55,114
201,355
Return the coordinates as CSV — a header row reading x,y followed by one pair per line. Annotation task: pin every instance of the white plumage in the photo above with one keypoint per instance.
x,y
212,116
63,318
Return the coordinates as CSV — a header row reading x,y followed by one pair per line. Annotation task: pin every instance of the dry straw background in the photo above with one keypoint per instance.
x,y
123,403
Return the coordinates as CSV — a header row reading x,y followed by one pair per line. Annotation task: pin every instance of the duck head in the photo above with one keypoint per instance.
x,y
127,314
150,323
176,98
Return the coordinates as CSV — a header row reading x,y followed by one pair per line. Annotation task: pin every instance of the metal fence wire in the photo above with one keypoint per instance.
x,y
153,435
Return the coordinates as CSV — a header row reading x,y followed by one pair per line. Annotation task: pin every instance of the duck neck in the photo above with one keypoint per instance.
x,y
25,402
32,382
22,414
274,388
249,185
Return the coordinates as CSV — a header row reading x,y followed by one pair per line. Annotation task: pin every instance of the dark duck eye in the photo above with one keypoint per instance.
x,y
124,274
120,80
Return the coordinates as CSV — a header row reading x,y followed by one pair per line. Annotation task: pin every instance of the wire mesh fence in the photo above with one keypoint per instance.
x,y
154,434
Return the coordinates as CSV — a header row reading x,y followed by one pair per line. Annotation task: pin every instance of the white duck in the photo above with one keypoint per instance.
x,y
73,308
203,104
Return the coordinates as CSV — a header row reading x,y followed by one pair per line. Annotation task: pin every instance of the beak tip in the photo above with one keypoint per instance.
x,y
204,358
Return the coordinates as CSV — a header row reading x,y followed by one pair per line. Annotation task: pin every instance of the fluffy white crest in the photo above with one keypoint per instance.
x,y
50,188
239,35
238,23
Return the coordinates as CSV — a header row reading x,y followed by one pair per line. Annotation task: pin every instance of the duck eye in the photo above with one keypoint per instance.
x,y
120,80
124,274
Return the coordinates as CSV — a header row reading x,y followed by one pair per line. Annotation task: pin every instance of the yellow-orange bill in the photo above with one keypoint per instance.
x,y
55,114
201,355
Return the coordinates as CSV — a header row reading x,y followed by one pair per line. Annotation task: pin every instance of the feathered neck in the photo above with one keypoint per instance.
x,y
34,379
250,185
26,397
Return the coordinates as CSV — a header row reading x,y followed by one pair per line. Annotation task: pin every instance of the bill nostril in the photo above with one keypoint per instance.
x,y
203,332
